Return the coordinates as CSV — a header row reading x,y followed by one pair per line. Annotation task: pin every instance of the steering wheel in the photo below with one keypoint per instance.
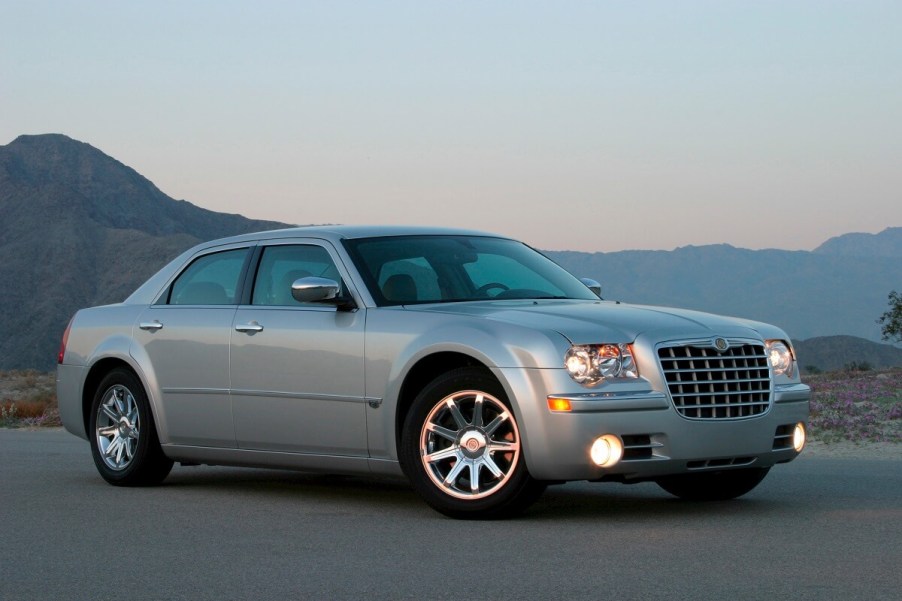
x,y
486,287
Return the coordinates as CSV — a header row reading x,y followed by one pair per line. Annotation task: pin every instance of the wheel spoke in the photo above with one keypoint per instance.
x,y
130,446
495,423
443,432
451,478
477,410
448,453
474,476
120,451
119,399
456,414
108,411
111,449
493,467
108,431
503,446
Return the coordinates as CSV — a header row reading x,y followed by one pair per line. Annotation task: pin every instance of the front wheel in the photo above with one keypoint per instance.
x,y
716,486
124,441
461,449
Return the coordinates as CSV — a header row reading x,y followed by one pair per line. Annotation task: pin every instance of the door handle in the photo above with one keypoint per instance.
x,y
249,327
150,326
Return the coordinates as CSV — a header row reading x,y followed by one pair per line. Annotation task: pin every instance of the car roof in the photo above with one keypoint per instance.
x,y
349,232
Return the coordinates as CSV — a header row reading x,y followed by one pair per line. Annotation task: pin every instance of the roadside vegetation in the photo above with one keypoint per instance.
x,y
28,400
857,404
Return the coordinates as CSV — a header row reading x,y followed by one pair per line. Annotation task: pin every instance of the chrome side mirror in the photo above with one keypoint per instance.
x,y
313,290
592,285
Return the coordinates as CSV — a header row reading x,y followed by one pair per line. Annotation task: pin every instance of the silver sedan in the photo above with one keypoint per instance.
x,y
468,362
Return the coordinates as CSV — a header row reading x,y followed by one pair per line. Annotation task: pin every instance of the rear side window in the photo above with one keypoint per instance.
x,y
210,280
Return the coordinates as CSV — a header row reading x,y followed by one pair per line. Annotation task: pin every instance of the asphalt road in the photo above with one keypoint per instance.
x,y
815,529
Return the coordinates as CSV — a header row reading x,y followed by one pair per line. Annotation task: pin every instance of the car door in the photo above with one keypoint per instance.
x,y
185,339
297,368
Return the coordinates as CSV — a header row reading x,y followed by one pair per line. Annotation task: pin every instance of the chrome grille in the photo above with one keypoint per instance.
x,y
705,383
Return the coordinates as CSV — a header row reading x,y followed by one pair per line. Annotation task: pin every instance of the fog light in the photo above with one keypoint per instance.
x,y
606,451
798,437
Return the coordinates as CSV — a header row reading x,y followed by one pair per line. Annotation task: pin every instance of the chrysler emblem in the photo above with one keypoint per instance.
x,y
721,344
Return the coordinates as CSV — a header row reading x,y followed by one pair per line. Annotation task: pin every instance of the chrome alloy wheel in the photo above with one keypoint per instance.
x,y
469,445
118,427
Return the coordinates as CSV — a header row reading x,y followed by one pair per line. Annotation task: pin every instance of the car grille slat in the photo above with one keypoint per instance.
x,y
705,383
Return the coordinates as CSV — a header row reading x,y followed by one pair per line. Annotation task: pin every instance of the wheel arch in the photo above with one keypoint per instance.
x,y
95,374
424,371
99,369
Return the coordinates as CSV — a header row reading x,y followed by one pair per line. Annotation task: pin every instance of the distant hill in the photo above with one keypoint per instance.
x,y
887,243
79,228
807,294
830,353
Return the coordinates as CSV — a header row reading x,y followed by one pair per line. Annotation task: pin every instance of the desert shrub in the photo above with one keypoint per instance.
x,y
858,366
859,406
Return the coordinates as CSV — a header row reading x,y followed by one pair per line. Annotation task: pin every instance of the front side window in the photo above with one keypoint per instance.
x,y
401,270
210,280
281,266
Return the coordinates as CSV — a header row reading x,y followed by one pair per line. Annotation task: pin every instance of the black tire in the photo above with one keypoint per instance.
x,y
124,441
463,442
714,486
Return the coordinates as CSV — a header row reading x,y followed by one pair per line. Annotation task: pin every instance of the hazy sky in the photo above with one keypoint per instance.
x,y
571,125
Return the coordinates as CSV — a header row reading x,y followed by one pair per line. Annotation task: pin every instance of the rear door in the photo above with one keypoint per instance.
x,y
185,338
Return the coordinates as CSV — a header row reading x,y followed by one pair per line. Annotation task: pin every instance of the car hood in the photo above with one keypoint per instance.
x,y
588,322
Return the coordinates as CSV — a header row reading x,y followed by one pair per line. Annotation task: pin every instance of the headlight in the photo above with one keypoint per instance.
x,y
591,363
779,355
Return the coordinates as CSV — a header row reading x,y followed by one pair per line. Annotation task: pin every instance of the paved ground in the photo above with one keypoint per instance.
x,y
818,528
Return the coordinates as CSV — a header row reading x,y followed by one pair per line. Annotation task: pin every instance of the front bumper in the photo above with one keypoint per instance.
x,y
657,440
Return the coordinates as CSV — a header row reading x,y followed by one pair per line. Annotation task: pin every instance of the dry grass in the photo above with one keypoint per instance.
x,y
28,398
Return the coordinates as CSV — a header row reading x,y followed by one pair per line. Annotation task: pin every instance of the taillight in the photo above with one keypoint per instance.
x,y
62,353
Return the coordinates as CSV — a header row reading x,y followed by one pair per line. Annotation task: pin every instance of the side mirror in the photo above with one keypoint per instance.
x,y
314,290
592,285
321,290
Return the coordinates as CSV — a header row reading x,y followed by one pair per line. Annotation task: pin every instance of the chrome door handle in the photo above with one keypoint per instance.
x,y
249,327
150,326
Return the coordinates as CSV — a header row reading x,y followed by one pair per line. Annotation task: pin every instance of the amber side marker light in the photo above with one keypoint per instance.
x,y
560,405
799,437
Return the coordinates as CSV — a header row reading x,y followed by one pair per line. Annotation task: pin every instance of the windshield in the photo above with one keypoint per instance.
x,y
405,270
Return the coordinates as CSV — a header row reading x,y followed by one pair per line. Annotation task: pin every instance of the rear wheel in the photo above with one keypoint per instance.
x,y
124,441
461,448
716,486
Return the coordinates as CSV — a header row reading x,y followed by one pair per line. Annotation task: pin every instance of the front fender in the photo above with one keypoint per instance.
x,y
396,342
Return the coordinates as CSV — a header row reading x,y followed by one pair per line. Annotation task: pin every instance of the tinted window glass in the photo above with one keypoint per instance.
x,y
421,269
210,280
281,266
485,269
409,280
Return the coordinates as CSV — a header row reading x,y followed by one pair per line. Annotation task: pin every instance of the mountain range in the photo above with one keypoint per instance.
x,y
79,228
